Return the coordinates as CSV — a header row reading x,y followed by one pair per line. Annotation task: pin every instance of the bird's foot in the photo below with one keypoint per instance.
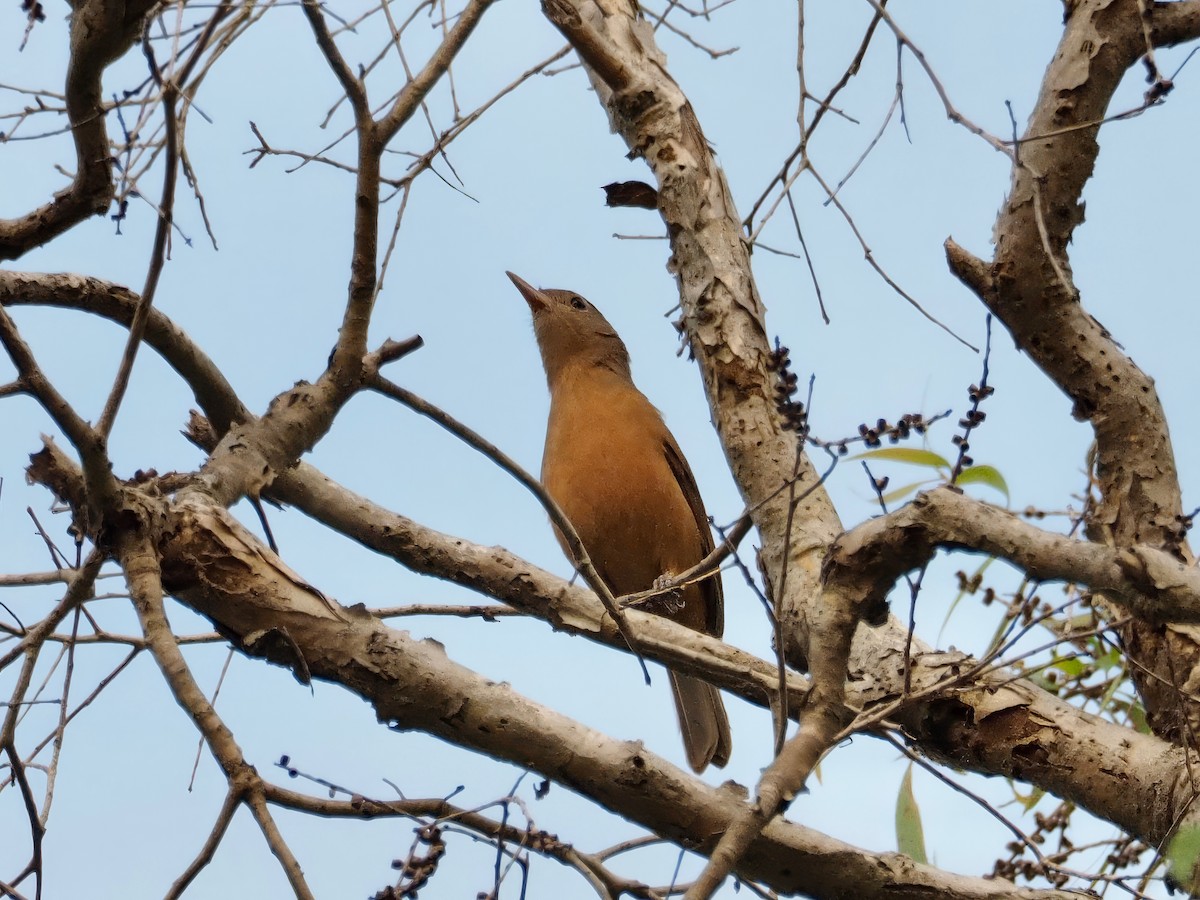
x,y
667,603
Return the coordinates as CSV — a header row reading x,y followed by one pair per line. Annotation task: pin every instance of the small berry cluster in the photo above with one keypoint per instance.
x,y
793,412
971,420
873,436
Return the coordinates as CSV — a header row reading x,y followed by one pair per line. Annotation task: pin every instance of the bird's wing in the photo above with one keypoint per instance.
x,y
710,588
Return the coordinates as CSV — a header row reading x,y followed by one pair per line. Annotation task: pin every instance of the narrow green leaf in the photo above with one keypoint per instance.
x,y
910,836
1069,666
1137,715
903,491
909,455
962,593
987,475
1115,681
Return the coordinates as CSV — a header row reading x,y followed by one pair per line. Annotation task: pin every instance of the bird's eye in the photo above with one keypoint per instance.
x,y
579,303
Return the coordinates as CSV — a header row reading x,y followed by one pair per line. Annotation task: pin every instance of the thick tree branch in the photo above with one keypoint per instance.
x,y
997,726
138,557
1175,23
118,304
725,323
1028,285
101,32
413,685
868,560
723,314
1057,743
1069,753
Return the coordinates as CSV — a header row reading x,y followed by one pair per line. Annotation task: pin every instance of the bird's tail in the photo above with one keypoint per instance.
x,y
702,721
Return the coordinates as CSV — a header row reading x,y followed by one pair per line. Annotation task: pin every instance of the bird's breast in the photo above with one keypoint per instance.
x,y
605,466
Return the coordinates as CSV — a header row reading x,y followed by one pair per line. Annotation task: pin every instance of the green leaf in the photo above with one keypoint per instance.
x,y
1070,666
1114,683
1137,715
962,593
1027,801
987,475
1046,684
910,836
1182,855
1082,622
903,491
909,455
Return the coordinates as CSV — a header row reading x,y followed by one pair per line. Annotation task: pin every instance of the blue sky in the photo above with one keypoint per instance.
x,y
267,304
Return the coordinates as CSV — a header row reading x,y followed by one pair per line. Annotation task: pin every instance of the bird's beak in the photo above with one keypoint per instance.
x,y
536,299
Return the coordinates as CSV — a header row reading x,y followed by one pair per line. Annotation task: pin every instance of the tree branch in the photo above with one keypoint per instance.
x,y
112,301
868,560
101,32
419,87
1028,285
725,323
413,685
139,560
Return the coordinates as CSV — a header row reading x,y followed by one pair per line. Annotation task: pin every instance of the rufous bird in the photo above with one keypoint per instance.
x,y
619,476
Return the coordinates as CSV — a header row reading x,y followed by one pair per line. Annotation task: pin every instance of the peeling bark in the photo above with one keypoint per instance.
x,y
1028,286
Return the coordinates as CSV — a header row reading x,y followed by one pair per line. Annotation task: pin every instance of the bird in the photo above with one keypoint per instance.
x,y
616,471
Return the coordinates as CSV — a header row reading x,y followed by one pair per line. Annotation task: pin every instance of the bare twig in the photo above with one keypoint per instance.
x,y
582,561
157,255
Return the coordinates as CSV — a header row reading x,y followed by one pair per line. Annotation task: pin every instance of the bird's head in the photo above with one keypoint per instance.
x,y
571,331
